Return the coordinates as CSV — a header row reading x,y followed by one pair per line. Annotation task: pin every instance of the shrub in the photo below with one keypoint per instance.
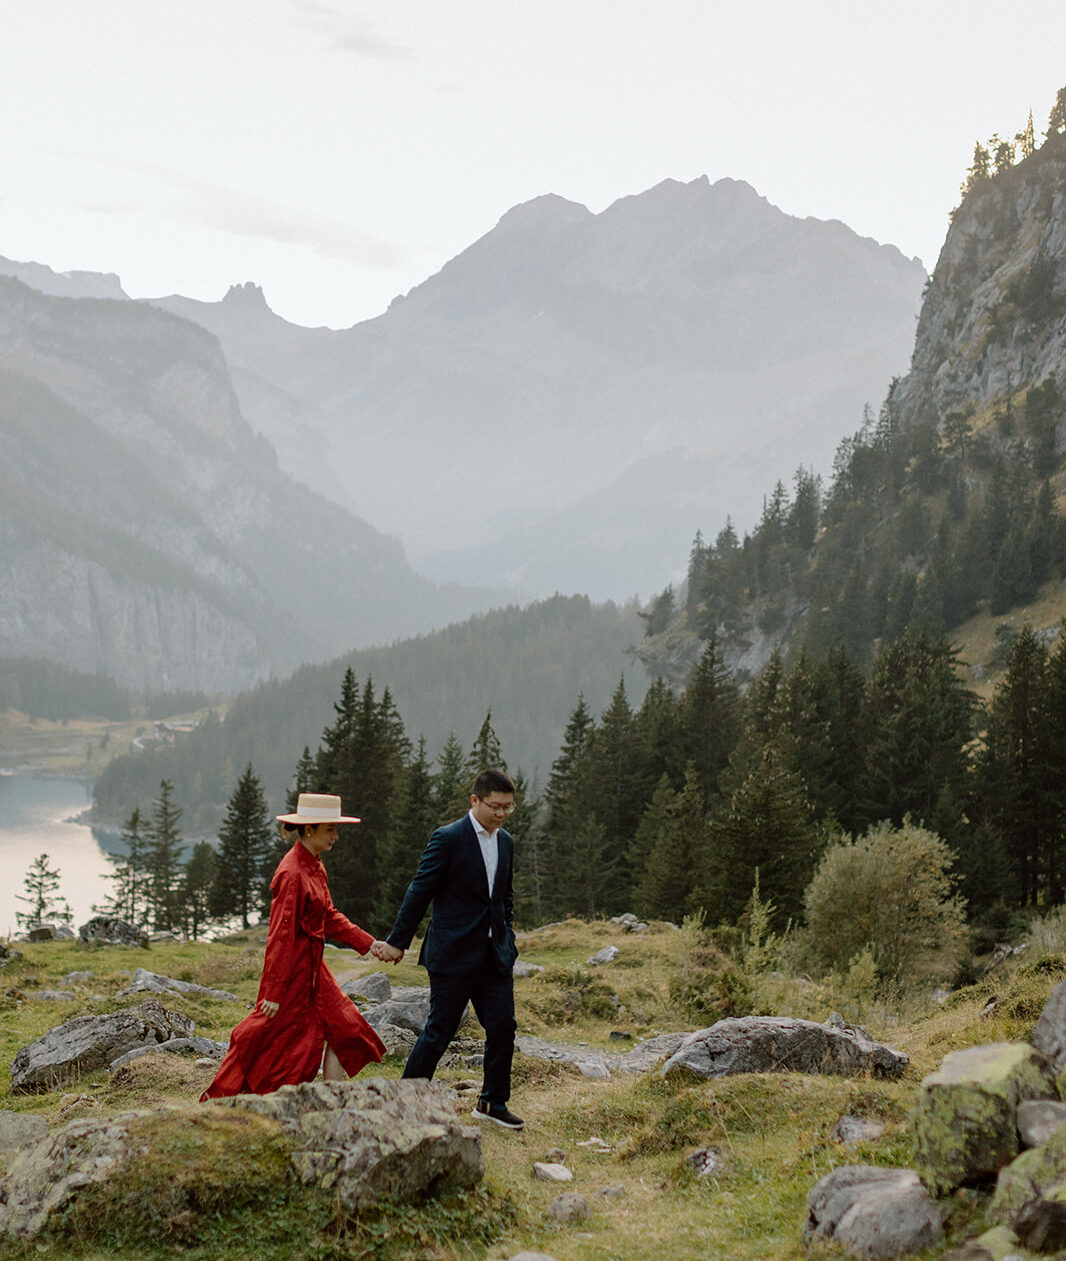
x,y
890,892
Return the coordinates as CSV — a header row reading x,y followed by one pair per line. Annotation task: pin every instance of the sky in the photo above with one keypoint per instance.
x,y
338,153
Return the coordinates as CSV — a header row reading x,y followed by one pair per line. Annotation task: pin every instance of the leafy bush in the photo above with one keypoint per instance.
x,y
709,986
892,893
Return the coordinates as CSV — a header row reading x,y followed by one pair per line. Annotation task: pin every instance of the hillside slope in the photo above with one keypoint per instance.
x,y
147,531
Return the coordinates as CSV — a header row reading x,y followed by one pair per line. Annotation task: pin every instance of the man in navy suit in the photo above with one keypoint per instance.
x,y
469,950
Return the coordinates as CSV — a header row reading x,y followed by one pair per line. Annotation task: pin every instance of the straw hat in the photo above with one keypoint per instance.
x,y
317,808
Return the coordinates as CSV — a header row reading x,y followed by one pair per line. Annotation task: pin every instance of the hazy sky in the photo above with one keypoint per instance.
x,y
339,152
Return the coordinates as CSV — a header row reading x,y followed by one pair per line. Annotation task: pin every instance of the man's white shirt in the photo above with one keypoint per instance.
x,y
490,848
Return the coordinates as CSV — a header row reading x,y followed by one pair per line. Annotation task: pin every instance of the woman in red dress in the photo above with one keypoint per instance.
x,y
300,1006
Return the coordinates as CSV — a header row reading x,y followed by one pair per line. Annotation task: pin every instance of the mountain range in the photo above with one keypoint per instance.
x,y
202,494
601,383
147,533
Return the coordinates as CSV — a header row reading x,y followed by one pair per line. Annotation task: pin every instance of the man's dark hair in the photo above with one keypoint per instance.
x,y
492,782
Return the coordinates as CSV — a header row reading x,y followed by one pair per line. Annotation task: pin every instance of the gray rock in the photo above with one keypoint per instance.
x,y
113,932
592,1064
851,1129
53,996
397,1041
41,932
965,1116
76,978
551,1171
1038,1119
64,932
607,955
522,969
373,1138
88,1043
1037,1173
781,1044
569,1208
408,1008
873,1213
629,922
375,987
651,1051
154,983
175,1046
18,1129
1041,1225
1049,1036
705,1161
363,1140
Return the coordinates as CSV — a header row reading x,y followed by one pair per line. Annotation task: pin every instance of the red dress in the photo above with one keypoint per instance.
x,y
265,1054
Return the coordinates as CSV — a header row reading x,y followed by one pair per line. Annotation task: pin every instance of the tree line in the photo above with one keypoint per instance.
x,y
682,805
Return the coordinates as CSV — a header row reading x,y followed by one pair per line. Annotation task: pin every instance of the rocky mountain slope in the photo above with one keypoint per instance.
x,y
147,532
993,321
600,383
982,406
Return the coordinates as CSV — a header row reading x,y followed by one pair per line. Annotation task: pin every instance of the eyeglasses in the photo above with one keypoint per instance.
x,y
497,808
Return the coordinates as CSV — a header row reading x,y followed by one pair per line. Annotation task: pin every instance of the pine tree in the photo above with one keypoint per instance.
x,y
129,901
920,720
246,847
610,784
709,718
162,859
1014,772
664,888
415,818
450,788
763,824
198,880
41,883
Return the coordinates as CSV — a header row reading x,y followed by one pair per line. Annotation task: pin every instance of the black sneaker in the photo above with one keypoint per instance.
x,y
497,1112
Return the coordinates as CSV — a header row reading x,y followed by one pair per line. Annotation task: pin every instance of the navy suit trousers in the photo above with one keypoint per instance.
x,y
491,992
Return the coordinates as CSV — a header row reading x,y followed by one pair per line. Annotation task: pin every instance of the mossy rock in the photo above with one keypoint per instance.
x,y
1041,1171
965,1124
140,1176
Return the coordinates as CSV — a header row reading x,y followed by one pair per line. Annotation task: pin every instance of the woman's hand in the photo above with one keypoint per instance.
x,y
269,1009
386,953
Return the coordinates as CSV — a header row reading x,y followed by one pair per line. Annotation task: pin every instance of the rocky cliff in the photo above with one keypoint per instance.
x,y
993,320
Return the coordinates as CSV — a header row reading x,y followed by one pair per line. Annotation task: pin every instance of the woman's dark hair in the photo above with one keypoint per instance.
x,y
289,829
491,781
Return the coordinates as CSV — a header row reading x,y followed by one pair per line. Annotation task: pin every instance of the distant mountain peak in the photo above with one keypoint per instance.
x,y
66,284
545,211
246,295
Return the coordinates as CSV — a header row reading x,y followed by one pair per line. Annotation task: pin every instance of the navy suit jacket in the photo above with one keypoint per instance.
x,y
451,876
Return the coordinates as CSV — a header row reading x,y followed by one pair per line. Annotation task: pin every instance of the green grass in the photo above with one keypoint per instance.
x,y
774,1133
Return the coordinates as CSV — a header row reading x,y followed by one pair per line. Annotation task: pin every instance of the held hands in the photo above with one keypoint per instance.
x,y
386,953
270,1010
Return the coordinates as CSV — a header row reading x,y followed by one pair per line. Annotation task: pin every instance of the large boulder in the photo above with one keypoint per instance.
x,y
365,1140
1049,1036
965,1117
113,932
874,1212
781,1044
372,1138
88,1043
155,983
407,1007
375,987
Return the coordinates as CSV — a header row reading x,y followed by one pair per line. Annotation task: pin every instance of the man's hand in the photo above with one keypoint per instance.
x,y
270,1010
386,953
